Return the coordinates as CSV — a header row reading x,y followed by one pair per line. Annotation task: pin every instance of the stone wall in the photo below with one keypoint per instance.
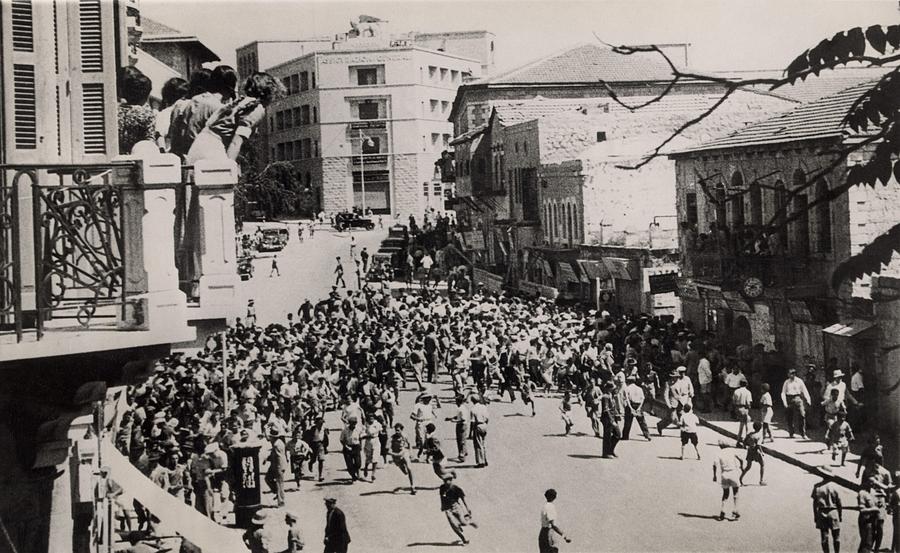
x,y
407,195
886,293
336,185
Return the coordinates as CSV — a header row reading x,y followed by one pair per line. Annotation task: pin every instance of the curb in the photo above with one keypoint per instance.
x,y
780,455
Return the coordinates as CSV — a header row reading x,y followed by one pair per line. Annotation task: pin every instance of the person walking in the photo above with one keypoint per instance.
x,y
479,430
274,270
337,538
256,538
351,440
454,506
869,515
251,313
462,418
609,417
741,400
827,510
547,540
364,257
795,398
317,438
688,424
294,536
339,273
894,509
277,466
727,469
634,408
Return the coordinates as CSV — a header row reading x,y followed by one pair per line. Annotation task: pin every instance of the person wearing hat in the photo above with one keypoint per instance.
x,y
727,468
836,383
827,510
339,275
294,537
337,538
278,464
251,313
610,415
795,398
317,438
256,538
480,420
454,506
462,418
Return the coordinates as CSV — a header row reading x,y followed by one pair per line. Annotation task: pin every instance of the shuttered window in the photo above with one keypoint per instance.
x,y
22,28
24,107
91,36
94,118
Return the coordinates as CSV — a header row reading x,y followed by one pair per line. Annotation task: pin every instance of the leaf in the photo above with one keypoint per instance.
x,y
876,37
897,171
881,168
857,41
799,65
893,36
870,260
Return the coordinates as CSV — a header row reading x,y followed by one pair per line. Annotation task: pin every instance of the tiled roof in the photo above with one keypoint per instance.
x,y
821,118
815,87
152,29
466,136
587,63
519,111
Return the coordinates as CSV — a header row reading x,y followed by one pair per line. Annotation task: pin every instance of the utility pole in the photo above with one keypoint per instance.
x,y
362,171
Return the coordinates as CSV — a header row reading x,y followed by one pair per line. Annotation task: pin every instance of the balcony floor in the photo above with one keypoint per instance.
x,y
76,340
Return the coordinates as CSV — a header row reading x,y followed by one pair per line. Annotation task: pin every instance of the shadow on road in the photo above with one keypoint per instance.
x,y
433,544
672,457
341,482
694,515
516,415
583,456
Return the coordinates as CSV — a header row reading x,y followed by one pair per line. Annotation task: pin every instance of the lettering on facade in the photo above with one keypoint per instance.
x,y
400,43
663,283
363,60
362,125
248,473
370,160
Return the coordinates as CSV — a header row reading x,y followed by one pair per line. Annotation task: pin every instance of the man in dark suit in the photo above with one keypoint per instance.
x,y
336,536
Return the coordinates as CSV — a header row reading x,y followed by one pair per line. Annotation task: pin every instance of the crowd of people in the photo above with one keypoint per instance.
x,y
355,351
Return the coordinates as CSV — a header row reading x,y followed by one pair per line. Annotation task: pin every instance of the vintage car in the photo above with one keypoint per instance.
x,y
273,238
347,220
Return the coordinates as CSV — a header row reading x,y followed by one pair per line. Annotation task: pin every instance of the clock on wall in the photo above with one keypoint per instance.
x,y
752,288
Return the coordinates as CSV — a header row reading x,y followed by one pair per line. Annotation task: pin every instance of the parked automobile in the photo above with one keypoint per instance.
x,y
245,267
347,220
272,238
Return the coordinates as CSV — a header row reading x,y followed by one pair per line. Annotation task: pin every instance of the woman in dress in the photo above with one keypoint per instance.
x,y
233,123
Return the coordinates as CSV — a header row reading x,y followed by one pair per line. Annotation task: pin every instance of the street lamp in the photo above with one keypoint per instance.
x,y
363,139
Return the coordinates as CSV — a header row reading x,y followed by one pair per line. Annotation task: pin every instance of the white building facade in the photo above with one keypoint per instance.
x,y
364,123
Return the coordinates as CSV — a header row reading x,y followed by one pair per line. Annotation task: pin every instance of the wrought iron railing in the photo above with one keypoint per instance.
x,y
76,242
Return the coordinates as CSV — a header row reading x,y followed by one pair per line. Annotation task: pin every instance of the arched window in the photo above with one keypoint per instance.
x,y
569,223
756,203
737,200
799,229
721,207
780,206
823,219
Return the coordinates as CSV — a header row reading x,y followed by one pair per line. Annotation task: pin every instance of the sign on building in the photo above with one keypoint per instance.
x,y
364,125
663,283
474,240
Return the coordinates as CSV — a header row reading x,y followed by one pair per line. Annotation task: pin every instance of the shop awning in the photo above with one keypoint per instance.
x,y
593,269
848,329
567,272
618,268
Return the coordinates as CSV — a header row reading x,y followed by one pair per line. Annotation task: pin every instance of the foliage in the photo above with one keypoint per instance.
x,y
874,118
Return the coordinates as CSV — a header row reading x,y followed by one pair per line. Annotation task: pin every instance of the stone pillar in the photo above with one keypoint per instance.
x,y
214,182
151,279
884,392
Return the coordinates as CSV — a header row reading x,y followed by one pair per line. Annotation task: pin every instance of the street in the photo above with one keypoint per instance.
x,y
646,500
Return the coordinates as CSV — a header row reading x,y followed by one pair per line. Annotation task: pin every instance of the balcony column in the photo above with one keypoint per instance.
x,y
151,280
214,182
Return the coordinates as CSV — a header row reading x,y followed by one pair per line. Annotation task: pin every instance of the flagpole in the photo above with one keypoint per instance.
x,y
362,172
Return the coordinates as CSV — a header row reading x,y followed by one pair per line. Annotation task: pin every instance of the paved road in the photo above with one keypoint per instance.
x,y
306,270
646,500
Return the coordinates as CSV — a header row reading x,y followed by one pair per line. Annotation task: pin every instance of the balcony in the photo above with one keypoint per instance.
x,y
96,257
729,271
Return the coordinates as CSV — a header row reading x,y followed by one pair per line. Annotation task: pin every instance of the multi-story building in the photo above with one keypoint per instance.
x,y
181,52
364,122
90,294
757,261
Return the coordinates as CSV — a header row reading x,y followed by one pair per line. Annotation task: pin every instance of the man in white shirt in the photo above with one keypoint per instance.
x,y
546,539
634,407
793,396
704,378
479,430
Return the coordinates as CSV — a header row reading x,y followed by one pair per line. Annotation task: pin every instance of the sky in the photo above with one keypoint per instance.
x,y
724,34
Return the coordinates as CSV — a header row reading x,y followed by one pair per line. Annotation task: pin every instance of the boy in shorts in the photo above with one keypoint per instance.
x,y
752,442
453,504
765,411
839,436
400,454
688,424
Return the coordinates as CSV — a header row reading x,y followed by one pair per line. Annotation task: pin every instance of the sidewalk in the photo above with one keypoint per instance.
x,y
803,453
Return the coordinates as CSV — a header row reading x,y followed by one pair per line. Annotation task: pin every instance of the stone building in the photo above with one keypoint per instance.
x,y
183,53
364,122
756,280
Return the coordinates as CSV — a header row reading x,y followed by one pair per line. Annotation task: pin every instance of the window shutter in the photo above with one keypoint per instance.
x,y
93,100
29,132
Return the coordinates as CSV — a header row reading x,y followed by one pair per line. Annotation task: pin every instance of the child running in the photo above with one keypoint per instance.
x,y
566,409
752,442
400,454
839,436
765,407
688,424
453,504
